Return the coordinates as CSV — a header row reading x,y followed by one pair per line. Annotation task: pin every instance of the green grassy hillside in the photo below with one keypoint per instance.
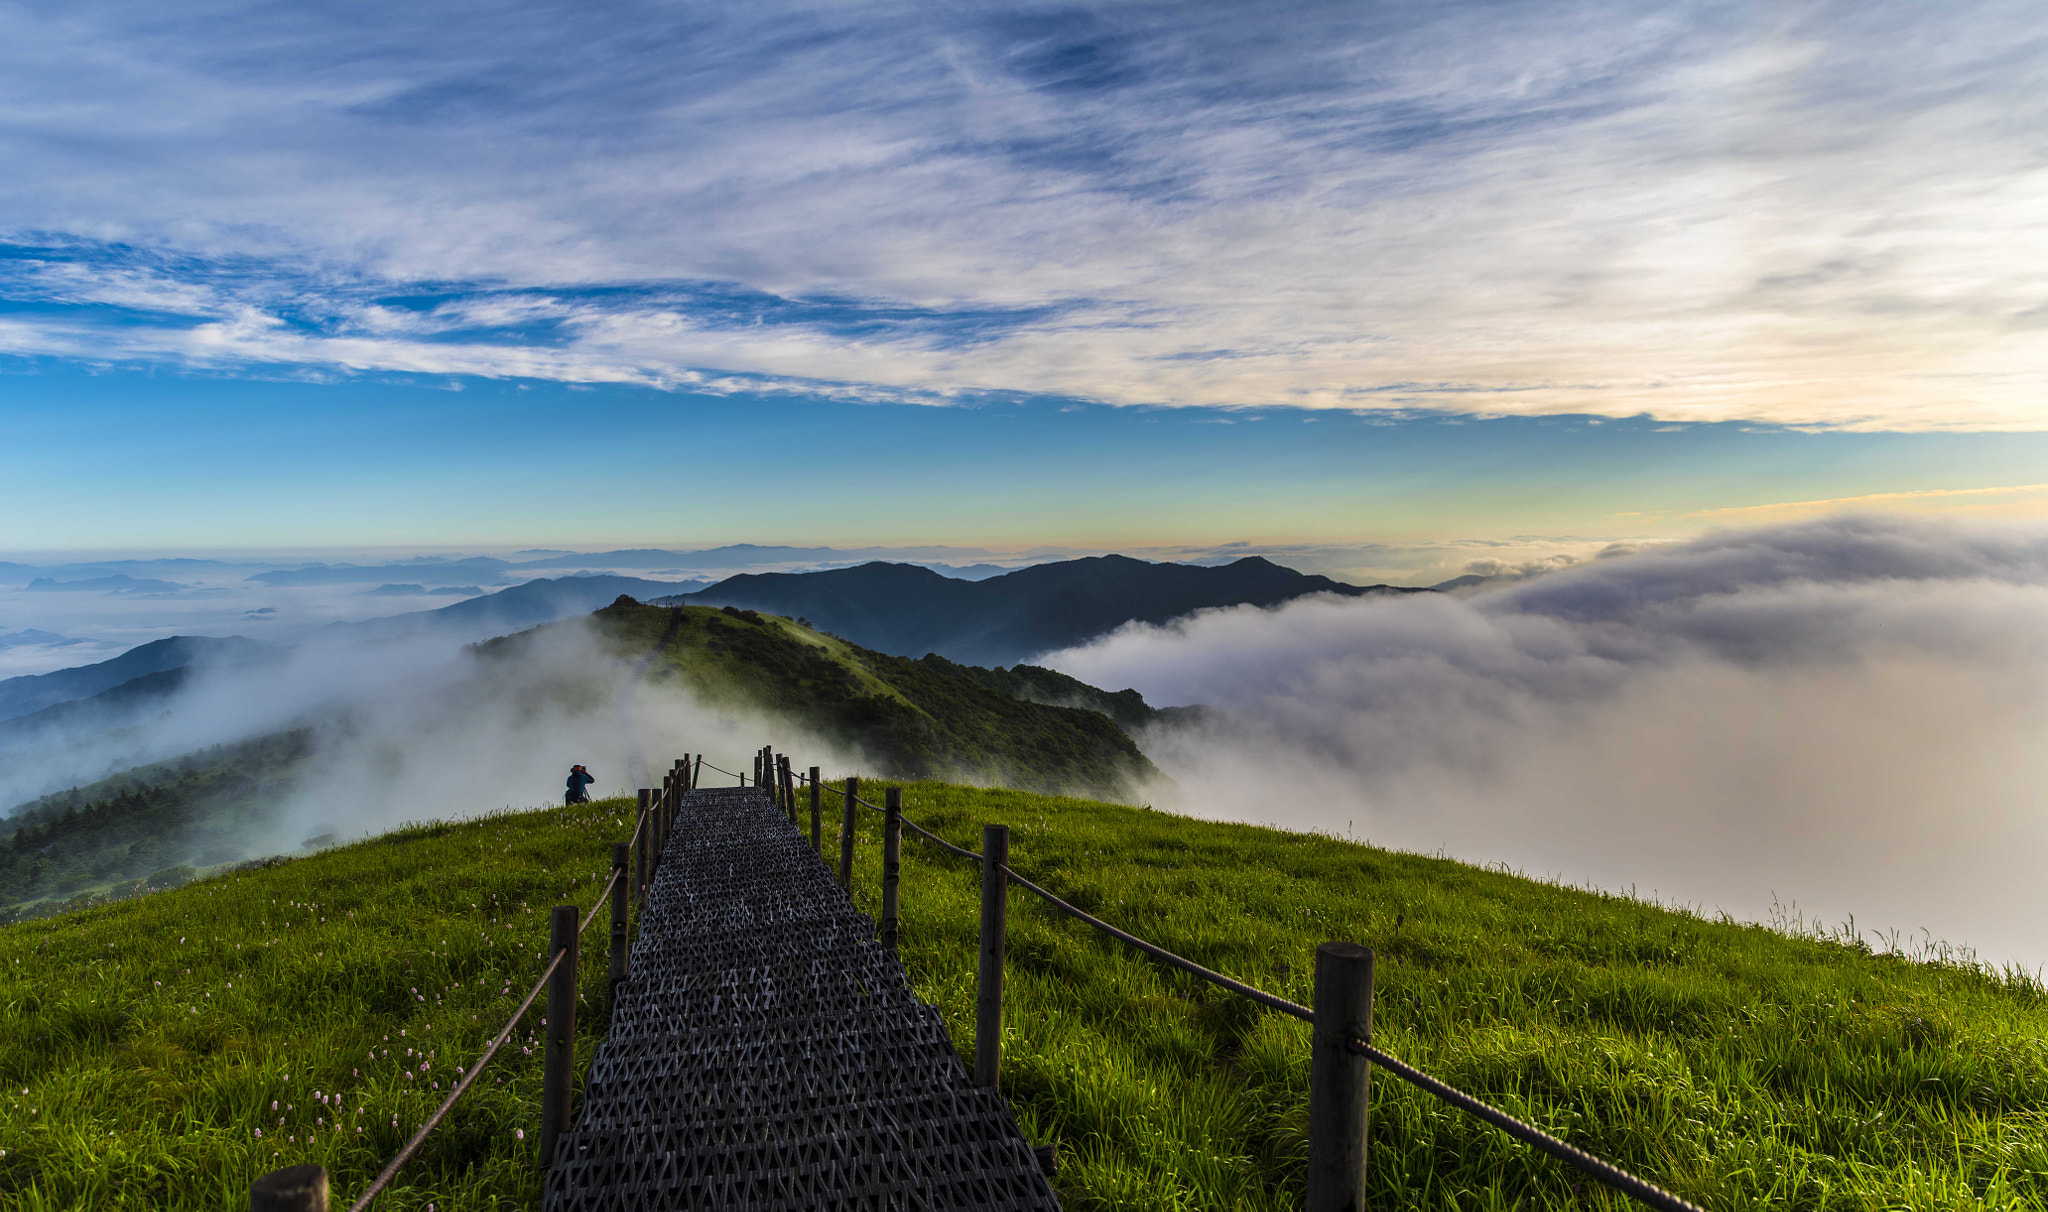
x,y
157,824
144,827
142,1044
916,718
1737,1066
162,1052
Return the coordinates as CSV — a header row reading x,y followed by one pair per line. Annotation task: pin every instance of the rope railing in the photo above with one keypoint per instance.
x,y
419,1138
1614,1176
1340,1064
909,824
1593,1167
306,1186
1163,955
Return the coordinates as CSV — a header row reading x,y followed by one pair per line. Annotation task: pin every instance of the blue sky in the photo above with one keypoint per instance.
x,y
1110,275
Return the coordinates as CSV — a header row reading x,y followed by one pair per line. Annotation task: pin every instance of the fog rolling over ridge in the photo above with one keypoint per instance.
x,y
479,734
424,728
1848,715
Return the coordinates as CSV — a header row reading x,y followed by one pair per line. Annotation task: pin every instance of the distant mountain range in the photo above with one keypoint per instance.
x,y
513,609
485,570
24,695
910,611
119,582
896,609
32,638
476,568
902,609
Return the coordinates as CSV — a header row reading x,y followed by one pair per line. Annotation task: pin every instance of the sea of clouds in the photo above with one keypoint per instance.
x,y
1844,716
1847,716
424,728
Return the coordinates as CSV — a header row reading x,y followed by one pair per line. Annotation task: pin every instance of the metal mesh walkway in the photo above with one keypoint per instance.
x,y
767,1052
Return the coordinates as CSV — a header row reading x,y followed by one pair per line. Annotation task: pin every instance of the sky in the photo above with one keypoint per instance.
x,y
1359,276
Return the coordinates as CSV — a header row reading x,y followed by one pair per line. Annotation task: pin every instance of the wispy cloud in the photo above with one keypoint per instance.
x,y
1702,212
2021,499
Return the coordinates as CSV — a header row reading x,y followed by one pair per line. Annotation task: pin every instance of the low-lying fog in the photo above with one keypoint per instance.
x,y
1847,715
416,729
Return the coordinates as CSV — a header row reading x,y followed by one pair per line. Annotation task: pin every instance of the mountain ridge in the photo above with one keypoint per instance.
x,y
20,696
914,717
908,610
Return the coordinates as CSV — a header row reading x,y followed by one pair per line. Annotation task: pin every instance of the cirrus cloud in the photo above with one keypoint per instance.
x,y
1700,211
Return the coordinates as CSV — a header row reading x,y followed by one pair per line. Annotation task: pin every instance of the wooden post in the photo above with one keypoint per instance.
x,y
559,1072
689,777
846,834
697,777
788,778
988,990
648,814
892,847
640,861
817,832
292,1189
660,810
619,873
1339,1081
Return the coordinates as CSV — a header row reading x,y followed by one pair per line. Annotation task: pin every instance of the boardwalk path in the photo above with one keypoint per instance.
x,y
767,1053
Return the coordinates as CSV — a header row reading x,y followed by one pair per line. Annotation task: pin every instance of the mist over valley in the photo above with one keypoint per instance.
x,y
1834,719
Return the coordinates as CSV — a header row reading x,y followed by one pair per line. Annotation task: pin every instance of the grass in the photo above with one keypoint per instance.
x,y
1734,1064
927,718
165,1051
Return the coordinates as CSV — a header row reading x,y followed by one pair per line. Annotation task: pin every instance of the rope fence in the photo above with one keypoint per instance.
x,y
304,1188
1342,1054
419,1138
1334,1187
